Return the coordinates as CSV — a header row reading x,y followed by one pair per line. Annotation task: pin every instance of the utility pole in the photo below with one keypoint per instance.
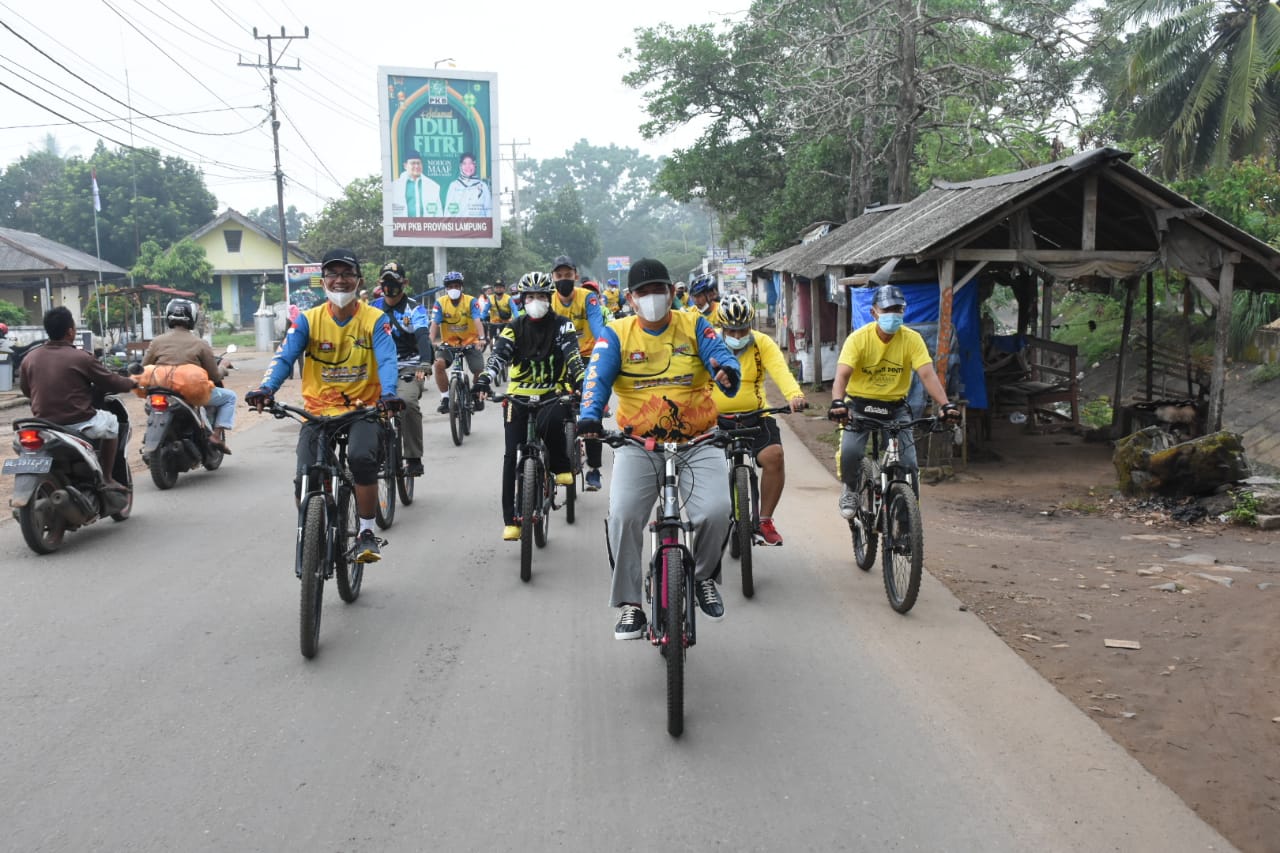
x,y
271,67
515,189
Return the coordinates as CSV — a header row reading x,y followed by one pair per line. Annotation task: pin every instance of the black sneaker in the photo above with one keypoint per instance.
x,y
709,599
413,468
443,408
593,480
477,405
631,623
366,549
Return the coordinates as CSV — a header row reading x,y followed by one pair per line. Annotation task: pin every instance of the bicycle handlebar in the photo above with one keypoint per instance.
x,y
614,438
535,402
284,410
861,423
784,409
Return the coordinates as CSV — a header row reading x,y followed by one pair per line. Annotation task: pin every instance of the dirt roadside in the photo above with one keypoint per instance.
x,y
1033,539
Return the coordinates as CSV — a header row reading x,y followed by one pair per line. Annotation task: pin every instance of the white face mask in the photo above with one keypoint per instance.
x,y
341,299
653,307
537,308
455,294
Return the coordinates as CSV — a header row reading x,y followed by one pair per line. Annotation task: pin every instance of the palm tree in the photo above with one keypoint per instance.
x,y
1203,77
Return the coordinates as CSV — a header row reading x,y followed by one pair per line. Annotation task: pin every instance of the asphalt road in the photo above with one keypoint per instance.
x,y
152,696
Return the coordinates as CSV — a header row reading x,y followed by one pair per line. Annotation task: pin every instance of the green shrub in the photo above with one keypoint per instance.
x,y
1245,510
1264,373
1098,412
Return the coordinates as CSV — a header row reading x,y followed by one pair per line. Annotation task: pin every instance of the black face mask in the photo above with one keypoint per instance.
x,y
564,287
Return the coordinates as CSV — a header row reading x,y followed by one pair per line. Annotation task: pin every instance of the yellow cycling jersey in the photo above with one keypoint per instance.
x,y
500,309
882,371
762,357
457,328
663,388
340,371
713,316
576,311
612,300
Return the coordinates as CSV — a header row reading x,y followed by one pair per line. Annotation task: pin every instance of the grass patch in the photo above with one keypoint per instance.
x,y
243,340
1097,413
1245,510
1264,373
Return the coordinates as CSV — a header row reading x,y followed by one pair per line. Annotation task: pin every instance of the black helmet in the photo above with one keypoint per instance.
x,y
535,282
889,296
181,312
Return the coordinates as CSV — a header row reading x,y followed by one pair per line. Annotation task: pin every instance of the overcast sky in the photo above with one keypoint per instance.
x,y
558,66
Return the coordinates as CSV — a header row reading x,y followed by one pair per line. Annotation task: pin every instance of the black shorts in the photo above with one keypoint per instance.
x,y
768,436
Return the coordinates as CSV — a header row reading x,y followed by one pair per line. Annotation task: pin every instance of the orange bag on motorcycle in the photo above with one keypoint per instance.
x,y
189,380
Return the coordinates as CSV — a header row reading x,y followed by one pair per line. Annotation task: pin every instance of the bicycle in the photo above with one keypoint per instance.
x,y
328,520
670,574
888,507
577,451
461,404
535,482
394,466
744,487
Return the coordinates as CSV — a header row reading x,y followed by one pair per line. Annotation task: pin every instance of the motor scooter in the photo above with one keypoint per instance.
x,y
58,479
179,435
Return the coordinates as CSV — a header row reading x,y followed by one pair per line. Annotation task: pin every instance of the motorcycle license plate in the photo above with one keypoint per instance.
x,y
28,465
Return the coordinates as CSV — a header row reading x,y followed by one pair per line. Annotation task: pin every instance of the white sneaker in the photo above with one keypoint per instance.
x,y
848,503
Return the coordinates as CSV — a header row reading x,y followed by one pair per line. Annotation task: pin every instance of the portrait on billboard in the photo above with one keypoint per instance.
x,y
440,158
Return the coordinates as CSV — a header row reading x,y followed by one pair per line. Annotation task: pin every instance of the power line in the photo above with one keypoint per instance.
x,y
166,115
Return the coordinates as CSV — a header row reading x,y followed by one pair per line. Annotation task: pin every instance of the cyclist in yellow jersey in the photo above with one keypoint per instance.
x,y
501,310
759,357
705,299
876,364
661,364
582,307
455,321
612,297
350,363
541,349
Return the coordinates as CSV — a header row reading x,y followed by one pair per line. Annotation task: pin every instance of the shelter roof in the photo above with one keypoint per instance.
x,y
24,255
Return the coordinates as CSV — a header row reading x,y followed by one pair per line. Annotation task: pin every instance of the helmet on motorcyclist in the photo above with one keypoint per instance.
x,y
181,312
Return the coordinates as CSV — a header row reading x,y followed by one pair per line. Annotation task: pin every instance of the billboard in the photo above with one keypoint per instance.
x,y
439,157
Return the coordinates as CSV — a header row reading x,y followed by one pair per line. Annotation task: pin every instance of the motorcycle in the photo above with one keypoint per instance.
x,y
58,480
179,435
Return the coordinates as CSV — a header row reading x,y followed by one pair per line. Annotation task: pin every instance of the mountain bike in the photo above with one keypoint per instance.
x,y
394,468
744,487
669,577
535,481
889,508
461,404
328,520
577,453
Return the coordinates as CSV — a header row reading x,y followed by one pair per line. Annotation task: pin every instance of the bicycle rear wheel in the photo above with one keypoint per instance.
x,y
863,523
385,515
528,509
673,626
455,412
312,559
404,484
743,528
903,557
348,572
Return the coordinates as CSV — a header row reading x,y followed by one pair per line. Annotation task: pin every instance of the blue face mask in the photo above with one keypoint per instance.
x,y
889,323
737,343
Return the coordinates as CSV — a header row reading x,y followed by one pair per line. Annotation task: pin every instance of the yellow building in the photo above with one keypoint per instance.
x,y
242,254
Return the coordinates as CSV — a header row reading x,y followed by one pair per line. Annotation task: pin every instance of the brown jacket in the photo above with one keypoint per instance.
x,y
59,379
181,346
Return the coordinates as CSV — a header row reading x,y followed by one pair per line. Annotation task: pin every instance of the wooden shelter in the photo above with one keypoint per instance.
x,y
37,273
1090,218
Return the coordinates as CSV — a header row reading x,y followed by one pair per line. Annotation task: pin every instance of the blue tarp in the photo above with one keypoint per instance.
x,y
966,363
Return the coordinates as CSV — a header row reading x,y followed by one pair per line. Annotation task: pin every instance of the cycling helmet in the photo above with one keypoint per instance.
x,y
452,276
736,312
705,284
181,312
535,282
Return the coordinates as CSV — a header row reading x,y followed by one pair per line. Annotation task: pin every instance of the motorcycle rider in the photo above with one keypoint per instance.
x,y
180,345
59,379
411,330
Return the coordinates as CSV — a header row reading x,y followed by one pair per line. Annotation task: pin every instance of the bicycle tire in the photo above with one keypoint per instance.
x,y
528,489
404,485
455,413
903,554
863,524
673,627
385,515
743,529
570,500
542,526
349,573
312,565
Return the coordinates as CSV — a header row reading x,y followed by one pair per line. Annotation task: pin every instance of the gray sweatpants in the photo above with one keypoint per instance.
x,y
633,491
410,390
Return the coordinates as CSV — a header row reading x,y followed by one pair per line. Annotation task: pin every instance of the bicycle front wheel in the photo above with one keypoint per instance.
x,y
743,527
903,557
348,572
466,415
528,511
570,499
545,497
863,523
673,627
312,565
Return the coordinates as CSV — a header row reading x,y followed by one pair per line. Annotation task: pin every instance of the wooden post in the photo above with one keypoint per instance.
x,y
946,288
842,313
1221,342
1122,360
1151,326
816,297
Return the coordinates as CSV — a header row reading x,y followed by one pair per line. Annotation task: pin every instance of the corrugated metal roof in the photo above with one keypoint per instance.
x,y
24,253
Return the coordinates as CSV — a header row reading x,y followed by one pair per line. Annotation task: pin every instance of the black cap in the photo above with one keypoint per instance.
x,y
341,256
647,271
393,270
888,296
564,261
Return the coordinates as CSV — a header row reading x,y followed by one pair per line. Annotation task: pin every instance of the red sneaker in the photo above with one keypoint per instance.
x,y
767,534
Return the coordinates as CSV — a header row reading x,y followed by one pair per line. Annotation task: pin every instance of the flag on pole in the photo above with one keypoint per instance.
x,y
97,201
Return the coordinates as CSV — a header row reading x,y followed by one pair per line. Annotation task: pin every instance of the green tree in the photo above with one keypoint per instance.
x,y
559,228
1202,77
267,219
182,265
12,315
